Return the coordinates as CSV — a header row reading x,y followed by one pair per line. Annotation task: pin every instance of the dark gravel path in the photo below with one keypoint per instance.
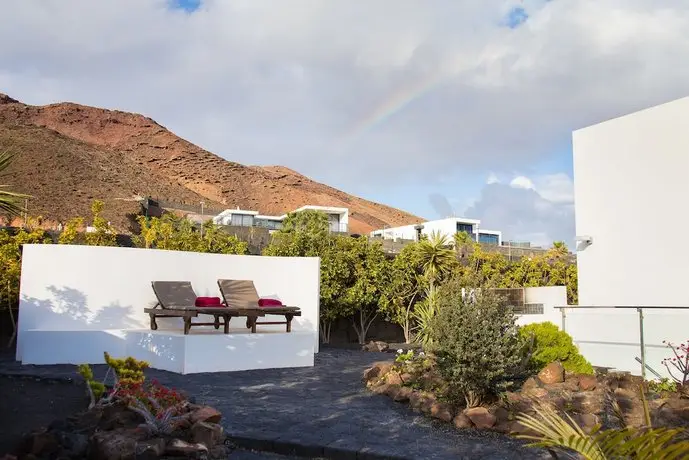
x,y
325,410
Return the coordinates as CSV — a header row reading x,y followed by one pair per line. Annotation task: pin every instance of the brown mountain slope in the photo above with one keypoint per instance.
x,y
70,154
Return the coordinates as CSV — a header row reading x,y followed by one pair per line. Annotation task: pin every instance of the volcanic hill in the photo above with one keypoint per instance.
x,y
70,154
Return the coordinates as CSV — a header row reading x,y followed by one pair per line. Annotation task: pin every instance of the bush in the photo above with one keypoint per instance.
x,y
551,344
476,342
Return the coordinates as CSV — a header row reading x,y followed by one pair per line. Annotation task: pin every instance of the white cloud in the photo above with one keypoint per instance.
x,y
380,92
539,210
522,182
492,179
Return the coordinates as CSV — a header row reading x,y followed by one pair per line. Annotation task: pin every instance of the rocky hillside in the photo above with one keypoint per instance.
x,y
69,154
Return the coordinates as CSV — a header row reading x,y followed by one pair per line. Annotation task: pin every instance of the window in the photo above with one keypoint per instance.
x,y
466,228
487,238
242,220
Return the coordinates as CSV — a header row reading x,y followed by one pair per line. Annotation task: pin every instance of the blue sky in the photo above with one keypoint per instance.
x,y
471,103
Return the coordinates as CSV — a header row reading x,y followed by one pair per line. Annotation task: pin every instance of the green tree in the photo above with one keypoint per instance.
x,y
303,234
10,202
404,288
103,234
71,233
476,342
436,257
370,274
336,275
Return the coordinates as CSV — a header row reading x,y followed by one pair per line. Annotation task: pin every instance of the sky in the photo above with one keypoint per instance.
x,y
437,107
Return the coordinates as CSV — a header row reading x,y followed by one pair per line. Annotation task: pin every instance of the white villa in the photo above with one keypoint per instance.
x,y
338,218
447,227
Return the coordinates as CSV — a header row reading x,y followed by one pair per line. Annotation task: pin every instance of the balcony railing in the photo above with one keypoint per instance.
x,y
337,227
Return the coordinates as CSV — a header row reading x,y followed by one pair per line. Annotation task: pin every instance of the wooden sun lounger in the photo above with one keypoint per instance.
x,y
242,295
176,299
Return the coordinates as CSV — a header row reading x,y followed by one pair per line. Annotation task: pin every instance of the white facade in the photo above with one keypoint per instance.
x,y
338,218
447,227
631,194
78,301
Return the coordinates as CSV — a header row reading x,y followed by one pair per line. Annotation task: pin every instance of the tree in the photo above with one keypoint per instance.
x,y
336,275
303,234
10,202
71,233
436,258
404,289
103,234
370,275
476,342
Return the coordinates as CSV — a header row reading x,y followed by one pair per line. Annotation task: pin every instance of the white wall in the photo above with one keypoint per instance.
x,y
87,288
551,297
631,194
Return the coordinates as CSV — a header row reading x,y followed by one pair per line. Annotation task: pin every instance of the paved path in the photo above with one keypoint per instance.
x,y
323,411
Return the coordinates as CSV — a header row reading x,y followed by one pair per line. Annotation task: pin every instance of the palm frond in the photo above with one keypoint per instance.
x,y
554,431
10,202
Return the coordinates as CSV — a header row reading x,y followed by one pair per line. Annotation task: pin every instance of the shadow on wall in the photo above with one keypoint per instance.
x,y
68,309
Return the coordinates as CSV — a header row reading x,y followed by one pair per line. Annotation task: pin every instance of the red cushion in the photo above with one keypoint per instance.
x,y
208,302
269,303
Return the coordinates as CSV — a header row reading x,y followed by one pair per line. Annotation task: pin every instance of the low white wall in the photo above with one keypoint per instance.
x,y
610,337
87,288
550,297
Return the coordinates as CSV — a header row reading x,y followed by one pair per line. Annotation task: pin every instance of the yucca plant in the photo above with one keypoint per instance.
x,y
553,431
10,202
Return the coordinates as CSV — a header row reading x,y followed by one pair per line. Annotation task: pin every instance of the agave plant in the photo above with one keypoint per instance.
x,y
163,422
10,202
553,431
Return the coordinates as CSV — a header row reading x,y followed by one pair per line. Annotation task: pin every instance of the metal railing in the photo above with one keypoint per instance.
x,y
640,311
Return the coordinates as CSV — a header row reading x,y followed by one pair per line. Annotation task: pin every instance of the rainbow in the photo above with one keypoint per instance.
x,y
394,104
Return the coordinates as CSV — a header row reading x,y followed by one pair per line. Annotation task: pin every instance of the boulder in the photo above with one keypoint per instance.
x,y
205,414
461,421
587,382
392,390
376,346
150,449
502,414
589,402
441,411
586,421
481,417
407,378
552,373
208,434
403,394
114,445
376,371
180,448
393,378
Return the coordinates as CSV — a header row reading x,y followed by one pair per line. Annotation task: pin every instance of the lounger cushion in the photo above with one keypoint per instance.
x,y
208,302
269,303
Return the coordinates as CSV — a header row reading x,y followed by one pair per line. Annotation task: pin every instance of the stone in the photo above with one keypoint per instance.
x,y
150,449
403,394
415,399
392,390
177,447
206,414
114,445
441,411
536,393
381,389
502,414
587,382
393,378
530,384
426,402
461,421
407,378
208,434
589,402
44,444
376,346
481,417
219,451
552,373
376,371
586,421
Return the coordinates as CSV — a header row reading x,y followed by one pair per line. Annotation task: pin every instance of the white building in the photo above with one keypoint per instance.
x,y
338,218
447,227
631,194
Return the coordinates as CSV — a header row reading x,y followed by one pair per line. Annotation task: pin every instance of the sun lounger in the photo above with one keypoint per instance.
x,y
242,295
177,299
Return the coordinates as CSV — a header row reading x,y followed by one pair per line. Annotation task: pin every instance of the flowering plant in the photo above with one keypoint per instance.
x,y
142,392
680,363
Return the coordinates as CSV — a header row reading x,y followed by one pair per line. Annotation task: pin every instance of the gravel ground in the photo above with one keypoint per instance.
x,y
325,408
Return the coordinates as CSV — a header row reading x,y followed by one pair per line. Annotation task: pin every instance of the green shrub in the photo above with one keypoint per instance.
x,y
476,342
551,344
